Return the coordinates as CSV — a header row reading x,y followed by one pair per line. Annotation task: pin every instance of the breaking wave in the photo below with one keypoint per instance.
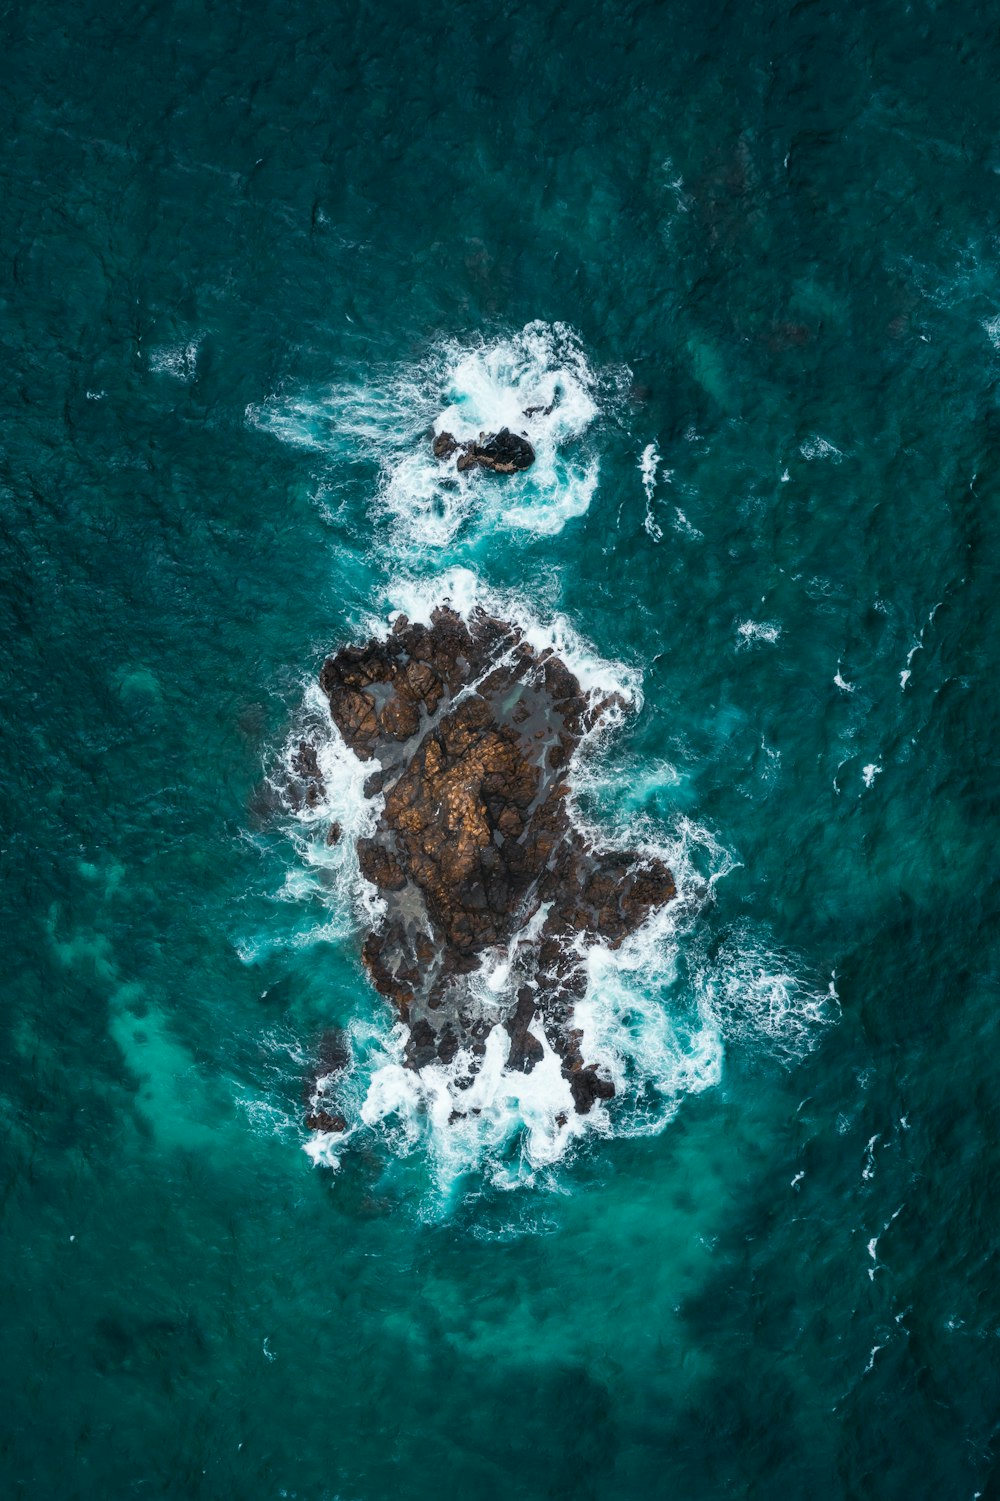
x,y
537,381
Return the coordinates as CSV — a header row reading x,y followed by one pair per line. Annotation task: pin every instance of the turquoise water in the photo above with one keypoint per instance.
x,y
249,257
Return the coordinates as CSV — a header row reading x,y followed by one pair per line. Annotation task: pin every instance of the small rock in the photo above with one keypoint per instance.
x,y
305,762
503,452
305,785
506,453
587,1085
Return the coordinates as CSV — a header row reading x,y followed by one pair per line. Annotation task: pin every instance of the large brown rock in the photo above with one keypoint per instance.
x,y
475,854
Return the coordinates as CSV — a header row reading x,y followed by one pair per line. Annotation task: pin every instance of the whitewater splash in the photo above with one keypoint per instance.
x,y
537,382
656,1013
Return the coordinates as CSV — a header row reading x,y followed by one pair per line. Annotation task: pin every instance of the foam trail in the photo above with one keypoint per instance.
x,y
322,871
647,468
918,645
684,526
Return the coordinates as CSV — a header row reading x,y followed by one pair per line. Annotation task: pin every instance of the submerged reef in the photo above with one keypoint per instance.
x,y
490,892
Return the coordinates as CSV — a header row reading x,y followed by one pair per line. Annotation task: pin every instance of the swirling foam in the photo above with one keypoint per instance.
x,y
390,416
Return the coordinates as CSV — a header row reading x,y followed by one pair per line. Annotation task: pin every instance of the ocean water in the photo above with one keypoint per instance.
x,y
252,257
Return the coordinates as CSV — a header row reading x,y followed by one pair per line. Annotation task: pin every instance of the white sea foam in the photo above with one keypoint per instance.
x,y
648,463
760,995
322,873
655,1045
992,328
876,1265
870,772
495,1106
771,765
180,361
918,645
872,1248
820,448
683,525
751,632
675,182
466,388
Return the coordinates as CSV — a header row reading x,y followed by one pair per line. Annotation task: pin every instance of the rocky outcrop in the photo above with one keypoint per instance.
x,y
491,892
333,1056
503,452
322,1120
305,783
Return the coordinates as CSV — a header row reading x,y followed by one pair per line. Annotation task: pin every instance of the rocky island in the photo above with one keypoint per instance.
x,y
491,892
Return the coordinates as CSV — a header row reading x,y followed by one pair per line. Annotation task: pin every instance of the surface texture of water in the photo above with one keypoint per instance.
x,y
245,254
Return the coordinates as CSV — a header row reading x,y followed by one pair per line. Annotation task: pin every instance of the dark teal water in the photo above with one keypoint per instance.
x,y
245,254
